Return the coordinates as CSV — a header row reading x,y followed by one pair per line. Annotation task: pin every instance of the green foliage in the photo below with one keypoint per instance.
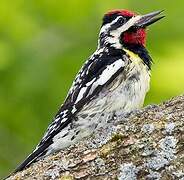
x,y
43,44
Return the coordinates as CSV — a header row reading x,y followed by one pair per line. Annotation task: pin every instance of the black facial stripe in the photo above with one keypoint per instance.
x,y
109,18
118,23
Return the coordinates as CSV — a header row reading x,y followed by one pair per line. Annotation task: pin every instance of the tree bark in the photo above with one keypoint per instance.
x,y
145,144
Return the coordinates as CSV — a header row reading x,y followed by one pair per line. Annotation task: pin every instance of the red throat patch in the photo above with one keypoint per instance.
x,y
138,37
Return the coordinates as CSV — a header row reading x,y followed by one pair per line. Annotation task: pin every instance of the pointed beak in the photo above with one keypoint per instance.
x,y
149,19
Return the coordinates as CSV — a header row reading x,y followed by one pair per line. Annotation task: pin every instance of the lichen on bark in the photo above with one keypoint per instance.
x,y
145,144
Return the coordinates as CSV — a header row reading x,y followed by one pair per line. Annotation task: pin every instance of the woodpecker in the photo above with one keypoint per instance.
x,y
115,77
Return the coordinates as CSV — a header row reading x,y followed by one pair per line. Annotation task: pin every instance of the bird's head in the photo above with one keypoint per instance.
x,y
122,27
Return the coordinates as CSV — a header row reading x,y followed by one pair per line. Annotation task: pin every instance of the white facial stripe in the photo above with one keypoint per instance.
x,y
130,23
115,34
123,28
126,26
107,26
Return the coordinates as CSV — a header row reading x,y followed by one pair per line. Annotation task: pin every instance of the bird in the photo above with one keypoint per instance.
x,y
115,77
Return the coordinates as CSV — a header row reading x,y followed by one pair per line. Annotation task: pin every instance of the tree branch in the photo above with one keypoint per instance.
x,y
146,144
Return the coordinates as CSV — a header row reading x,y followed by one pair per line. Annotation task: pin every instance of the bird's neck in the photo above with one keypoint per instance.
x,y
114,48
141,51
109,40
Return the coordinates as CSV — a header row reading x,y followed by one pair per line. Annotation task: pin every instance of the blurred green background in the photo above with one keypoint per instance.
x,y
43,43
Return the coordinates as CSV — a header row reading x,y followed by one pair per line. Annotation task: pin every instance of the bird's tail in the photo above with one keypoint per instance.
x,y
33,157
42,148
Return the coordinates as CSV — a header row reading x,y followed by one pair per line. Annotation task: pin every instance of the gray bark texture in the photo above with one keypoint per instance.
x,y
145,144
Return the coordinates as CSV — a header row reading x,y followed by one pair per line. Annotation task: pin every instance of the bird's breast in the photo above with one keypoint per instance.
x,y
126,92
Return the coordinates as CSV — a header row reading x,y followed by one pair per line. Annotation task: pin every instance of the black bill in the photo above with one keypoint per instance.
x,y
149,19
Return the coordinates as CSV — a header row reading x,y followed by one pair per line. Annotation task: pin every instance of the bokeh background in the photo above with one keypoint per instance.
x,y
43,43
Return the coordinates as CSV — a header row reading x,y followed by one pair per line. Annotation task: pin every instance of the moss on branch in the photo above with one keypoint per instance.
x,y
146,144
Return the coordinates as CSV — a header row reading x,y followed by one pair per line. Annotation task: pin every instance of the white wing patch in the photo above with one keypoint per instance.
x,y
109,72
83,90
80,95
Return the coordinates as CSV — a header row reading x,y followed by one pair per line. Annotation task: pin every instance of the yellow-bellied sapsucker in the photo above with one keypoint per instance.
x,y
115,77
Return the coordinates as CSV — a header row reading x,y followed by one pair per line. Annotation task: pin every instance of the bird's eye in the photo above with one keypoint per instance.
x,y
121,20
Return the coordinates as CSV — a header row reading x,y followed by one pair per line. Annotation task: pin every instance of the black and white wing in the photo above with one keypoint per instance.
x,y
100,70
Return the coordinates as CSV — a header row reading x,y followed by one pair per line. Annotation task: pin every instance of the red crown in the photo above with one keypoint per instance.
x,y
122,12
